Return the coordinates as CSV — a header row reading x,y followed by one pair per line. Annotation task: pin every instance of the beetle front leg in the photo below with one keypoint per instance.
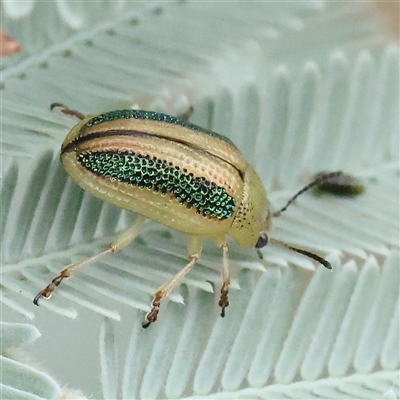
x,y
194,249
118,244
224,302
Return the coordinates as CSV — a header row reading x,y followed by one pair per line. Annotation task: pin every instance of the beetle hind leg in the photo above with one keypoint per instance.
x,y
67,111
224,301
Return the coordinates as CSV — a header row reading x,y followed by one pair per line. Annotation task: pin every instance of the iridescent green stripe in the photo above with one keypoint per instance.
x,y
152,116
161,177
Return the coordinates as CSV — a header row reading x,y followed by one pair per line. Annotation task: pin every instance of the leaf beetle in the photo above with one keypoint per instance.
x,y
176,173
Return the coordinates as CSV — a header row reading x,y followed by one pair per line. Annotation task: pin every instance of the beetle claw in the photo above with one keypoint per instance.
x,y
46,293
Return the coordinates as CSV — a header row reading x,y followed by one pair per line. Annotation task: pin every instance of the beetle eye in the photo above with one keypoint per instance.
x,y
262,241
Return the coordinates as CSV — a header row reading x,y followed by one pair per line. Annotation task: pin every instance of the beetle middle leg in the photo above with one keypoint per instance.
x,y
118,244
194,244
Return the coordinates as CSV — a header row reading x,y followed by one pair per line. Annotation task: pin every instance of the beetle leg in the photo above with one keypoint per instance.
x,y
119,243
224,302
165,289
67,111
187,114
194,249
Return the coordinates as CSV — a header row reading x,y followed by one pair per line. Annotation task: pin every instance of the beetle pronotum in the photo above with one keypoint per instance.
x,y
176,173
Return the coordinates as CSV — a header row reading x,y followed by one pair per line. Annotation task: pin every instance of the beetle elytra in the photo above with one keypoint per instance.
x,y
173,172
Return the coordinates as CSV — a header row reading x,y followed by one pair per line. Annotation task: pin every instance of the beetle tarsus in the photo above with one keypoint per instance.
x,y
49,289
151,316
46,293
224,302
57,105
67,111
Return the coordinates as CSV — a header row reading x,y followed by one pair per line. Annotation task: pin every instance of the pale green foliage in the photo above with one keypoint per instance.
x,y
19,380
300,87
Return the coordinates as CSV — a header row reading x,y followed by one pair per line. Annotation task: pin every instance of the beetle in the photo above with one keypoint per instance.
x,y
176,173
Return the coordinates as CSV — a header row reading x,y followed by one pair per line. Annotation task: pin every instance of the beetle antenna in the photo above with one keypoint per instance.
x,y
317,181
307,253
